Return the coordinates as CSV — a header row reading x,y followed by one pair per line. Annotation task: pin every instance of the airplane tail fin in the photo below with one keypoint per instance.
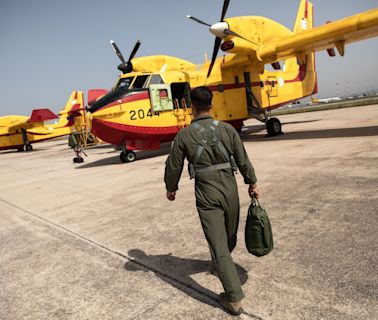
x,y
304,65
75,104
305,17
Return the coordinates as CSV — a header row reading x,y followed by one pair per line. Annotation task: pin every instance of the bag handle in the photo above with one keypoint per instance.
x,y
255,201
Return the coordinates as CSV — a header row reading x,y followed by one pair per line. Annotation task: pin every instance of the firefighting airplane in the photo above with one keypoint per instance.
x,y
150,102
19,132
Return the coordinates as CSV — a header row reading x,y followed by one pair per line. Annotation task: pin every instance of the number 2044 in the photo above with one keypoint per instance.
x,y
141,114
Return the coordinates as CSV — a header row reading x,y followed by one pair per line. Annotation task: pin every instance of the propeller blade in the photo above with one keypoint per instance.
x,y
117,51
224,10
199,21
136,47
232,33
217,44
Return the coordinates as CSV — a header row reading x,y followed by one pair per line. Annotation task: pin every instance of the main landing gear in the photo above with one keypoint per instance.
x,y
26,147
273,127
127,156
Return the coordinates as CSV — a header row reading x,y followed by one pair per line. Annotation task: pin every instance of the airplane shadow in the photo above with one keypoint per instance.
x,y
176,272
301,121
140,155
260,127
22,152
317,134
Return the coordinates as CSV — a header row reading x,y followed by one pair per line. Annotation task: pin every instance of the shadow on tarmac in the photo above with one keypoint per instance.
x,y
177,271
22,152
317,134
260,127
140,155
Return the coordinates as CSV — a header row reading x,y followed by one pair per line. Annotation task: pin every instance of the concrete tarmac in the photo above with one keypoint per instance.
x,y
99,240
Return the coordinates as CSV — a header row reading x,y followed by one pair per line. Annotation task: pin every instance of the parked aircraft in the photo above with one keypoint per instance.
x,y
20,132
150,102
325,100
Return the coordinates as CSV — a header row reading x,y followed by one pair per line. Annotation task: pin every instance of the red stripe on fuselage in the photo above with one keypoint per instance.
x,y
117,133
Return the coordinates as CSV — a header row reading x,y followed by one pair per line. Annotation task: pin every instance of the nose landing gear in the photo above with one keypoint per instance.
x,y
127,156
78,151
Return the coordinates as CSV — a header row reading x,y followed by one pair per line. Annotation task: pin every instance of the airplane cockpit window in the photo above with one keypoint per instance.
x,y
124,83
156,79
140,82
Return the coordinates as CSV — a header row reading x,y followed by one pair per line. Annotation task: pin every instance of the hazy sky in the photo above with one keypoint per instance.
x,y
51,47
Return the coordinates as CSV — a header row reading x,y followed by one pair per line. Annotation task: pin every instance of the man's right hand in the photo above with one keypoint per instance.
x,y
171,196
253,191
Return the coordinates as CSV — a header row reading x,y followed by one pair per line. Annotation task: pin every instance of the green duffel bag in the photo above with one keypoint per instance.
x,y
258,232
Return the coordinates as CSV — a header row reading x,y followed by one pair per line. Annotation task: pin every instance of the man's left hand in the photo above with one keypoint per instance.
x,y
171,196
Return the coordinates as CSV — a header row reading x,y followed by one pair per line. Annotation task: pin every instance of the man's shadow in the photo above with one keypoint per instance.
x,y
177,272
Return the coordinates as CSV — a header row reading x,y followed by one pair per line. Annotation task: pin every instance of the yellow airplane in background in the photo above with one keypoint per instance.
x,y
19,132
150,102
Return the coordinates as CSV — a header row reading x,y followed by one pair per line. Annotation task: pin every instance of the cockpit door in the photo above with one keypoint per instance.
x,y
161,97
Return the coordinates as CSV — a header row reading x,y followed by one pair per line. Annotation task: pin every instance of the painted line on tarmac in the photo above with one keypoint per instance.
x,y
123,256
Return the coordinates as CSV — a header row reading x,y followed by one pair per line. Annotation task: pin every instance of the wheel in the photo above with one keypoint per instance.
x,y
20,149
75,160
273,126
128,156
80,160
28,147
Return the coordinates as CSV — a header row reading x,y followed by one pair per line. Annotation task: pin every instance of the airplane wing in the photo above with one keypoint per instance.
x,y
331,35
9,124
34,124
40,130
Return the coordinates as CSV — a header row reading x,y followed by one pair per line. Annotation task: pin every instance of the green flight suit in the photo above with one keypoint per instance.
x,y
216,192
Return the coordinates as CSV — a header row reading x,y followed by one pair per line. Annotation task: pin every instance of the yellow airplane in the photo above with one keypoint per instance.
x,y
325,100
150,102
19,132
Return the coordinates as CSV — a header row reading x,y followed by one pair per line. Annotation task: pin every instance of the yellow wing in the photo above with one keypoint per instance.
x,y
41,130
9,124
331,35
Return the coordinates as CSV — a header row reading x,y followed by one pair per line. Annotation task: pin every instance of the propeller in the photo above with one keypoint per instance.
x,y
220,30
125,66
219,35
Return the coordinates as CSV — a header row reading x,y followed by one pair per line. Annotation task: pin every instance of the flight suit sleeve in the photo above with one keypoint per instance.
x,y
174,165
242,160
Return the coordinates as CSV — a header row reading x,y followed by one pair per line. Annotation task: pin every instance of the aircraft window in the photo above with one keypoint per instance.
x,y
125,82
156,79
140,82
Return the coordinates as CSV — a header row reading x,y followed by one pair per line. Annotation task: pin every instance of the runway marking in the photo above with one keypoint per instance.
x,y
214,302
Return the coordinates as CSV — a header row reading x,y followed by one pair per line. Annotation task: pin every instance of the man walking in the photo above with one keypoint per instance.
x,y
214,151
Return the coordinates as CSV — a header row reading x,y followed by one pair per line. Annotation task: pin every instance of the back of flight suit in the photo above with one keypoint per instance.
x,y
216,190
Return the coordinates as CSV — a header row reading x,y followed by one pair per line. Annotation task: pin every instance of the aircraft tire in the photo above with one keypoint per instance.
x,y
28,147
273,126
128,156
20,149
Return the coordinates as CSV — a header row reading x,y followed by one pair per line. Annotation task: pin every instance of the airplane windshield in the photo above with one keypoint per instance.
x,y
125,82
140,82
156,79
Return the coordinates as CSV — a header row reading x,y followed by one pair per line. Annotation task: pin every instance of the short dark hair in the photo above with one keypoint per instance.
x,y
201,98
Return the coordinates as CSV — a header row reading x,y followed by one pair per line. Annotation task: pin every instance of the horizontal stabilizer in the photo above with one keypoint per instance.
x,y
40,115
